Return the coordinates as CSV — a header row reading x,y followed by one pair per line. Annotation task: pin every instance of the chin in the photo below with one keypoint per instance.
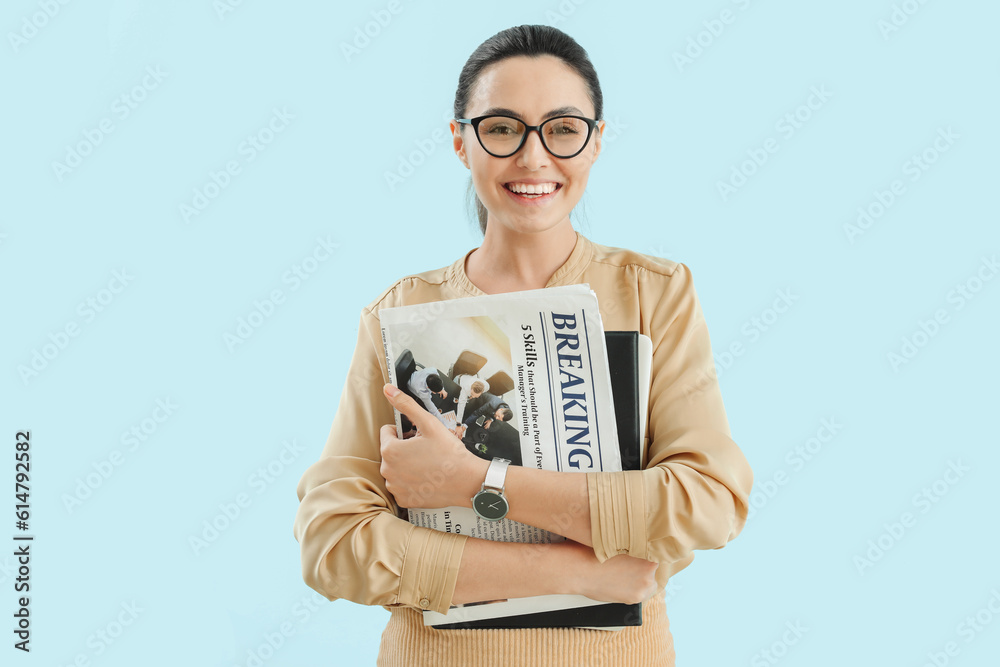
x,y
531,226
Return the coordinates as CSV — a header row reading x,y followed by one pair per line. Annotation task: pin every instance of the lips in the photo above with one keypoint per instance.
x,y
532,192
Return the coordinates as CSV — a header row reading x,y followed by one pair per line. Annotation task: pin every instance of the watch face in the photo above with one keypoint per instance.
x,y
489,505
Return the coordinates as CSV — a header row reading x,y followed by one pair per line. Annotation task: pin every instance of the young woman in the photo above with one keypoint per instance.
x,y
527,125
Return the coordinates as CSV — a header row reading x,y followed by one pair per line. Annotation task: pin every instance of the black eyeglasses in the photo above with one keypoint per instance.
x,y
502,136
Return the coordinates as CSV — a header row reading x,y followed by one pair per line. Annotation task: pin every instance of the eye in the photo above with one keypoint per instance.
x,y
500,129
563,128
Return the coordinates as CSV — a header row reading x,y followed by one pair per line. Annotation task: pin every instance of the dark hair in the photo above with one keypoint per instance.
x,y
507,414
434,382
524,40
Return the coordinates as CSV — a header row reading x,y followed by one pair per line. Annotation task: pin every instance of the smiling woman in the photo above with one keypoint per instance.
x,y
528,127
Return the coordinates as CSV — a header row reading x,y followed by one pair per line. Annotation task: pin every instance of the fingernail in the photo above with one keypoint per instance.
x,y
391,390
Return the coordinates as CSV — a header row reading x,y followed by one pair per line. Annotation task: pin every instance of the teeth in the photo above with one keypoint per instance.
x,y
525,188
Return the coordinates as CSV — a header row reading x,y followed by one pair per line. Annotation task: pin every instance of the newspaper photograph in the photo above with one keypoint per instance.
x,y
522,376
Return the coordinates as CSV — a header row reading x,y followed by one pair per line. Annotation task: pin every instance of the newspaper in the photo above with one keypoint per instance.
x,y
549,402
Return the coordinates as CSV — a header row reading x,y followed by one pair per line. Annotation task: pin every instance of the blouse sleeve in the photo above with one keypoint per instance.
x,y
353,544
694,490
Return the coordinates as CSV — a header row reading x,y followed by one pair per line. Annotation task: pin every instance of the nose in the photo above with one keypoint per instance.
x,y
532,153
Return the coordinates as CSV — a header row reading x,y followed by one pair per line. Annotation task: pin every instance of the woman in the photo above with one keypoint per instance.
x,y
628,532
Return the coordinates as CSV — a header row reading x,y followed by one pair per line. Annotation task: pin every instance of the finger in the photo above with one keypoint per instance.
x,y
387,436
387,433
418,415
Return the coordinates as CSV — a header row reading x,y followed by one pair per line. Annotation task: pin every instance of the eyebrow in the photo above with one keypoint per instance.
x,y
504,111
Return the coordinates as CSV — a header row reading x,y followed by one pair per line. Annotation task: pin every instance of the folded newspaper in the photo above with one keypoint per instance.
x,y
520,375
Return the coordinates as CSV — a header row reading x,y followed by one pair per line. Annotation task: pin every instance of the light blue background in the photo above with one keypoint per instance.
x,y
675,131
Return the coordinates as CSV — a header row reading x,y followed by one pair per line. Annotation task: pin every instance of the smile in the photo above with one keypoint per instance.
x,y
530,192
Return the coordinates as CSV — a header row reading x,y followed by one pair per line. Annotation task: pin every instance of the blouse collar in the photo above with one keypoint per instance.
x,y
567,274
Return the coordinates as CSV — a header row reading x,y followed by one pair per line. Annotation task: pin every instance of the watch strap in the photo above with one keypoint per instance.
x,y
496,473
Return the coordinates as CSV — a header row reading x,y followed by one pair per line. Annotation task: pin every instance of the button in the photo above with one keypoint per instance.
x,y
425,603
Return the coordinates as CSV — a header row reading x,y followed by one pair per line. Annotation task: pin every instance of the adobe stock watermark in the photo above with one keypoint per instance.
x,y
787,126
102,639
8,569
131,439
968,629
562,12
752,329
960,295
913,168
33,23
370,30
223,8
88,310
271,642
779,648
294,277
416,323
712,30
613,130
623,293
231,510
923,501
765,490
424,147
249,149
121,108
671,590
659,251
900,15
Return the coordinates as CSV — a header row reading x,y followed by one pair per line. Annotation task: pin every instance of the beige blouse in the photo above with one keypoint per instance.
x,y
692,494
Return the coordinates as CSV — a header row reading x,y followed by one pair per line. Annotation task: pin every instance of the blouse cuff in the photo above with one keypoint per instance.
x,y
617,513
430,569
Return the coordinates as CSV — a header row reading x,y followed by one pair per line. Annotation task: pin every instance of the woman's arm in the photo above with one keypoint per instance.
x,y
355,547
554,501
694,492
353,544
501,570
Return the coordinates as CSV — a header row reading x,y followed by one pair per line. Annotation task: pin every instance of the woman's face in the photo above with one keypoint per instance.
x,y
531,88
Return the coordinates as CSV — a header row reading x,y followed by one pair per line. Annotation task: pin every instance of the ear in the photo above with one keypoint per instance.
x,y
598,140
458,141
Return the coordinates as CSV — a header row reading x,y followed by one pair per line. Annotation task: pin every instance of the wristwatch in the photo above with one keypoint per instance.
x,y
490,503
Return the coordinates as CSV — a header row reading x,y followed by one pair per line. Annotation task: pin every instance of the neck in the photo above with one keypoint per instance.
x,y
511,261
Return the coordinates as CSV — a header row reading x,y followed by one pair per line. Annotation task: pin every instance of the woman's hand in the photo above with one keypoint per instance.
x,y
432,469
621,578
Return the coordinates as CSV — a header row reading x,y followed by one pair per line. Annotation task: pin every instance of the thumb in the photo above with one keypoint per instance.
x,y
416,413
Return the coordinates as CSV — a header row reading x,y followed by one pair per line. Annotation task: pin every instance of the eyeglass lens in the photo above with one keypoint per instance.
x,y
563,136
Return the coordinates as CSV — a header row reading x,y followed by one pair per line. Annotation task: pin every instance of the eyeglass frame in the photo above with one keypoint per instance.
x,y
474,122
